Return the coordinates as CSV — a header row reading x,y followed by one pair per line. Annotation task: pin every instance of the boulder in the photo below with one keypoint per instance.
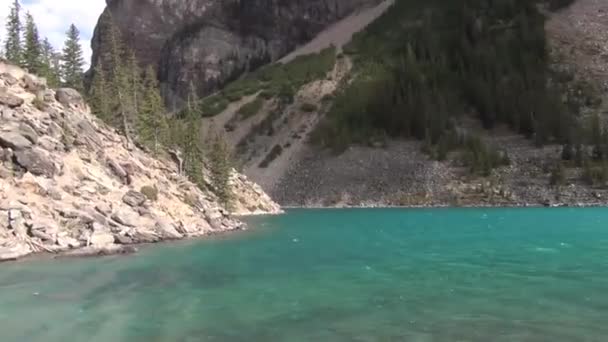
x,y
122,239
167,230
134,198
14,140
69,97
143,236
36,162
33,83
14,251
68,242
117,169
10,100
126,216
103,208
28,132
86,135
101,238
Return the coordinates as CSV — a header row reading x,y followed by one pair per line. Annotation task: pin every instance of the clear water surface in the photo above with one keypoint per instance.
x,y
333,275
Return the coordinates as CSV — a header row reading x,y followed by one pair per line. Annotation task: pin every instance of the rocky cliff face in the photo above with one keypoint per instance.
x,y
69,182
211,41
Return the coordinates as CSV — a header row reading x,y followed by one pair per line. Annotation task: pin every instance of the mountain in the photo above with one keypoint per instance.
x,y
423,103
70,184
209,42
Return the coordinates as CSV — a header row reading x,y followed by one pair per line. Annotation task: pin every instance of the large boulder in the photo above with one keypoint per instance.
x,y
126,216
167,230
134,198
28,132
10,100
14,140
69,97
36,162
101,238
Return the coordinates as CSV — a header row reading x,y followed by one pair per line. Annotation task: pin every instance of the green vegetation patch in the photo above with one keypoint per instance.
x,y
425,62
251,108
151,192
275,80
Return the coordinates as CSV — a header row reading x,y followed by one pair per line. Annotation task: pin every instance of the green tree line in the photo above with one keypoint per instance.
x,y
426,62
24,47
129,98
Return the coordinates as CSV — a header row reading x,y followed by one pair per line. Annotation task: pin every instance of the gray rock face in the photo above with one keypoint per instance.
x,y
208,42
14,140
69,97
134,198
36,162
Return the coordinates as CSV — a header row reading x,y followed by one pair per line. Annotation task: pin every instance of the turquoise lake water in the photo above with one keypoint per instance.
x,y
333,275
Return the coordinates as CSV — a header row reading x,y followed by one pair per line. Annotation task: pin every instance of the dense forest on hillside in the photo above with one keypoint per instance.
x,y
426,62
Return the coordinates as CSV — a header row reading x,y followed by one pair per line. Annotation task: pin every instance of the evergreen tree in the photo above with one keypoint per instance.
x,y
192,141
50,64
72,60
221,169
98,94
135,86
32,51
12,46
152,123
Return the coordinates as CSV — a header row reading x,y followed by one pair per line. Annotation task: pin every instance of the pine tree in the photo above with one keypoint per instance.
x,y
98,94
72,60
221,169
192,141
50,64
135,87
152,123
32,51
12,47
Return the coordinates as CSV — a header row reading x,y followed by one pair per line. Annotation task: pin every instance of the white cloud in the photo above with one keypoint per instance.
x,y
53,18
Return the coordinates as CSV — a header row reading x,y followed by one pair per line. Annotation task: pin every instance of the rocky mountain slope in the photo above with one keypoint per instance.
x,y
209,42
269,116
297,173
69,183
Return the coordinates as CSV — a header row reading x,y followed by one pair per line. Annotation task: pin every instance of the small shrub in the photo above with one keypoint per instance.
x,y
272,155
213,105
251,108
151,192
308,107
39,104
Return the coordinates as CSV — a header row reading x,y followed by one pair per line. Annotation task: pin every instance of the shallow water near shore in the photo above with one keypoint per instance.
x,y
333,275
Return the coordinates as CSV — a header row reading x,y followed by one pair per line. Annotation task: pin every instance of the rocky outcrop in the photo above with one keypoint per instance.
x,y
209,42
68,182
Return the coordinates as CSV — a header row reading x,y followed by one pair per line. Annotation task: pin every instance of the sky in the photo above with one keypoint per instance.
x,y
53,18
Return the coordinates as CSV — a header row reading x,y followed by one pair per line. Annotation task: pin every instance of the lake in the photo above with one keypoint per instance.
x,y
333,275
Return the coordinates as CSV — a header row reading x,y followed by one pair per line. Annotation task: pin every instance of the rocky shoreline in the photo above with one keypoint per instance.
x,y
71,185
